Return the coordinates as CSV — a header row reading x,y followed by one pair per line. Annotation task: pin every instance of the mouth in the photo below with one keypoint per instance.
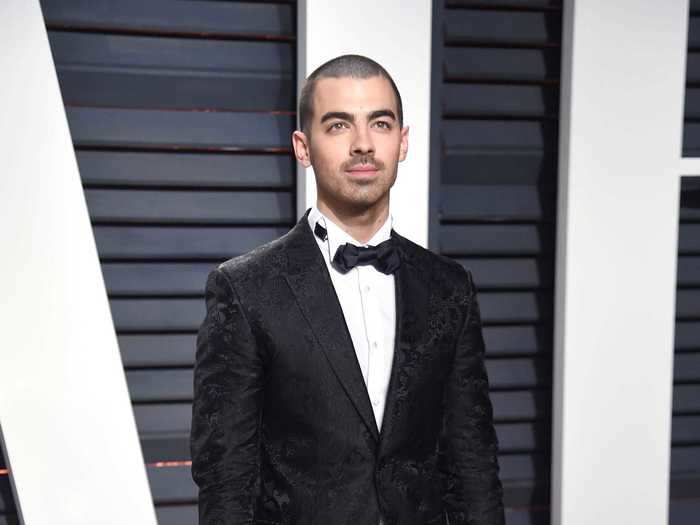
x,y
363,171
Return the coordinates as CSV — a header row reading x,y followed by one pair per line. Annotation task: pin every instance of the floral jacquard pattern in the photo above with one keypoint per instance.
x,y
283,431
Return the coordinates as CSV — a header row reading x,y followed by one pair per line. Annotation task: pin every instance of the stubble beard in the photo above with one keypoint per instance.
x,y
356,196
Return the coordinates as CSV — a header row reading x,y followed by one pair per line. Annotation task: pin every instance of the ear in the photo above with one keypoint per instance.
x,y
301,148
404,143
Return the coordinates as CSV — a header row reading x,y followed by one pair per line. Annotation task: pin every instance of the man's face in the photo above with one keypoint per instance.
x,y
355,142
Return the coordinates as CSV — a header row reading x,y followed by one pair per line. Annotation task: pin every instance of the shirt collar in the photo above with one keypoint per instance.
x,y
338,236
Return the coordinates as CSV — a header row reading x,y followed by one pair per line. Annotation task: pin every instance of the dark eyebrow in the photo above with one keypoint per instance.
x,y
339,115
382,113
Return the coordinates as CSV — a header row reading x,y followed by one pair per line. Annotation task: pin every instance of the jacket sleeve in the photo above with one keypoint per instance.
x,y
227,408
468,462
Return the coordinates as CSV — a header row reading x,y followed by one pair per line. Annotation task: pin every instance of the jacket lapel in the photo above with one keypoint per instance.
x,y
413,286
309,280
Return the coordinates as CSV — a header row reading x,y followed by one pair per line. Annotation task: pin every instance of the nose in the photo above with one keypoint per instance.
x,y
362,142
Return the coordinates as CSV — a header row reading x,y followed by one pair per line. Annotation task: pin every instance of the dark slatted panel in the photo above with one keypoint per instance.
x,y
691,129
493,209
181,115
8,512
685,435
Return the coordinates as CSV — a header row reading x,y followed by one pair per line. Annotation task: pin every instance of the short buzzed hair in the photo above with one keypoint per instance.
x,y
353,66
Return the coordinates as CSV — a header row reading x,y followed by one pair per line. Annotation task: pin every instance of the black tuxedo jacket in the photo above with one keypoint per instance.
x,y
282,425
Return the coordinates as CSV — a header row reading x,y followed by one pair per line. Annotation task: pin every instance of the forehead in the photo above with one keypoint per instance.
x,y
353,95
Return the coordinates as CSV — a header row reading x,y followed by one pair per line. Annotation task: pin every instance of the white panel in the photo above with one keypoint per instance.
x,y
68,428
622,94
397,34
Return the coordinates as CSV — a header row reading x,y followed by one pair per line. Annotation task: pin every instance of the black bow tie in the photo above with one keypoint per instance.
x,y
384,256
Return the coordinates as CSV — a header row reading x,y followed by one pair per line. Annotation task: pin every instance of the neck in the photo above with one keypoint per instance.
x,y
361,224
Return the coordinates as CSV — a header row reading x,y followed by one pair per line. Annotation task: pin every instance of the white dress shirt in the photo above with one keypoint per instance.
x,y
367,298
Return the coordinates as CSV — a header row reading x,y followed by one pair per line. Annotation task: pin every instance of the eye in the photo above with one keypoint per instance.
x,y
336,126
383,124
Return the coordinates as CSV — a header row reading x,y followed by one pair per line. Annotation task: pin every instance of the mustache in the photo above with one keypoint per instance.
x,y
363,161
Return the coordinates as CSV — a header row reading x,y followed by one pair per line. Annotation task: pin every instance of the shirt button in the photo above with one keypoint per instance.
x,y
367,288
374,344
375,402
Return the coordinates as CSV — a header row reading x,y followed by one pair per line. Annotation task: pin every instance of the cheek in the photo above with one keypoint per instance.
x,y
328,155
389,151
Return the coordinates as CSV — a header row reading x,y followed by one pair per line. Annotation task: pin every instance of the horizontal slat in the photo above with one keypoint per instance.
x,y
689,239
201,18
169,314
170,418
515,307
144,279
691,139
211,58
524,272
503,65
688,303
685,430
160,385
177,90
521,28
689,271
178,349
525,516
686,367
521,405
7,502
185,169
172,484
523,436
191,207
500,100
519,373
177,514
174,419
685,460
518,340
692,103
496,239
513,438
687,336
157,350
149,242
165,447
175,484
499,134
496,202
693,68
522,466
686,399
523,4
128,128
693,30
684,487
178,482
499,167
157,315
684,512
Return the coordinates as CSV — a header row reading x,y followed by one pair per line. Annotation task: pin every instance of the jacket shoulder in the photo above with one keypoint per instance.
x,y
259,264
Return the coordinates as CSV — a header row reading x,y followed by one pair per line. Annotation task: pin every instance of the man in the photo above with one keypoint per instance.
x,y
339,375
